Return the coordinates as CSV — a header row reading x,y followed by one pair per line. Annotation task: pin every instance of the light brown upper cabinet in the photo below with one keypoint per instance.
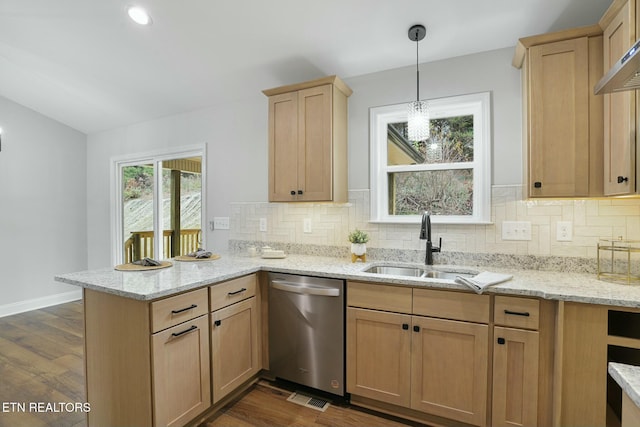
x,y
308,141
562,119
619,25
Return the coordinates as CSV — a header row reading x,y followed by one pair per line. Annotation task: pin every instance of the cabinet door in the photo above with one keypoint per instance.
x,y
559,119
449,369
315,168
283,147
515,377
181,376
378,355
234,344
619,110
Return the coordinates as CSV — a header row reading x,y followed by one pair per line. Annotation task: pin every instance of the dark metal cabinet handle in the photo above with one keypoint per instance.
x,y
405,326
218,322
299,191
186,331
622,179
293,193
537,184
237,292
184,309
517,313
501,341
416,328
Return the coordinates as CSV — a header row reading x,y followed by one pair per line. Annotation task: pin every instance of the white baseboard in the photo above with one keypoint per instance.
x,y
36,303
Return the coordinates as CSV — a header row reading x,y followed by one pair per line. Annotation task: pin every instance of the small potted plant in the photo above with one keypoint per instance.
x,y
358,239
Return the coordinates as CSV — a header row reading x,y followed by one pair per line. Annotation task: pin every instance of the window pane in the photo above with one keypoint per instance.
x,y
446,192
182,210
137,215
451,141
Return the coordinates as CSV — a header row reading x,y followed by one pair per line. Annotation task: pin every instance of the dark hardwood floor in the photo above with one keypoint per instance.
x,y
41,362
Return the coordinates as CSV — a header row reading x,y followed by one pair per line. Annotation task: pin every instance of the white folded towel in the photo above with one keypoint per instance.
x,y
482,280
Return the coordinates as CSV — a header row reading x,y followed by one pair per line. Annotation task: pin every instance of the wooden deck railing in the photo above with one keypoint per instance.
x,y
140,244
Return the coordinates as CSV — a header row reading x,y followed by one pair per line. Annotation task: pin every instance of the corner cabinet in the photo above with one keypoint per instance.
x,y
147,363
308,141
563,119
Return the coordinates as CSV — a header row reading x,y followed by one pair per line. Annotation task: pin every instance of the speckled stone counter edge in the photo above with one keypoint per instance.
x,y
628,378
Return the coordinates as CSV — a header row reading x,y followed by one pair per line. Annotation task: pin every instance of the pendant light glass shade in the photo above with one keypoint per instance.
x,y
417,113
418,121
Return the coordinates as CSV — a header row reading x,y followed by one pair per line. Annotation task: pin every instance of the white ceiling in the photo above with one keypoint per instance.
x,y
85,64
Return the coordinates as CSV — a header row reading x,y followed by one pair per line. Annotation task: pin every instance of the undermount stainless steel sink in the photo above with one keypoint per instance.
x,y
396,271
418,272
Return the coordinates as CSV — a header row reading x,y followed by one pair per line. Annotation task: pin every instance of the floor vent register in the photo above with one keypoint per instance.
x,y
309,401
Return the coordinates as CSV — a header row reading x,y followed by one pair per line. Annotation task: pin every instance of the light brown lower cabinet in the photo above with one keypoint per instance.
x,y
379,355
181,385
235,348
147,363
430,365
449,369
515,377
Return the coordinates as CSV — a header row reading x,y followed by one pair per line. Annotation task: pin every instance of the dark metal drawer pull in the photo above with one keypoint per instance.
x,y
186,331
237,292
184,309
501,341
517,313
218,322
405,326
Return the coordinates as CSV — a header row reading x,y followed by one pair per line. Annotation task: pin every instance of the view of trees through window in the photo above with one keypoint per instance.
x,y
426,183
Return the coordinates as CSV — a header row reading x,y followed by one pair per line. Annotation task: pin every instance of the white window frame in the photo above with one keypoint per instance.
x,y
117,187
478,105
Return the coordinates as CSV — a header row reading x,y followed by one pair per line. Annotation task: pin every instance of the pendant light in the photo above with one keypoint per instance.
x,y
418,116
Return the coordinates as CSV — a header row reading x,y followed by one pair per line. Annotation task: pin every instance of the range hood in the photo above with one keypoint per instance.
x,y
623,75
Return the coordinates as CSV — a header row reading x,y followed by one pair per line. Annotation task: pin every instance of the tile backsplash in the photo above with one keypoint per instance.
x,y
330,224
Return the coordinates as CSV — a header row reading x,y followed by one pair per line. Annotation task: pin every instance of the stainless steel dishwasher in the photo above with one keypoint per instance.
x,y
306,331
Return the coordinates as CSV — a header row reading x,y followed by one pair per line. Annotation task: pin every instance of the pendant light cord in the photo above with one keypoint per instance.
x,y
417,71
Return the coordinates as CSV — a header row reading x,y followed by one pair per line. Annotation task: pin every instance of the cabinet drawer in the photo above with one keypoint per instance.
x,y
379,297
227,293
517,312
177,309
451,305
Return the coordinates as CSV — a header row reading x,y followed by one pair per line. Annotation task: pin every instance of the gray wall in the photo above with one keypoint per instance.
x,y
236,137
483,72
43,225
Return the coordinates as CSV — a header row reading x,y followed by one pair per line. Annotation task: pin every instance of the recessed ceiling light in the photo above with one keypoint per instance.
x,y
139,15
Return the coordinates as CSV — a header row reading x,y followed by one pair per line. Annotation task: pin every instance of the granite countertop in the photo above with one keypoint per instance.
x,y
628,378
183,276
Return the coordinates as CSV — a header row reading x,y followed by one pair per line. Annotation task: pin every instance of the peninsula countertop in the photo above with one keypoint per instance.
x,y
184,276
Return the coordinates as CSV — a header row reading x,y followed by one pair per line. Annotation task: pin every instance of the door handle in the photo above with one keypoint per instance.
x,y
304,289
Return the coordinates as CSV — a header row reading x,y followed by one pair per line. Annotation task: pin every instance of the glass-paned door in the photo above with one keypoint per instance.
x,y
160,207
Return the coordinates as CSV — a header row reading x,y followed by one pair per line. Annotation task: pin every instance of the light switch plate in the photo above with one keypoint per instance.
x,y
263,224
516,230
221,223
564,231
306,225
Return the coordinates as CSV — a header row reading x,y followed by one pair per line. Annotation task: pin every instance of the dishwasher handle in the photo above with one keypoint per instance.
x,y
304,288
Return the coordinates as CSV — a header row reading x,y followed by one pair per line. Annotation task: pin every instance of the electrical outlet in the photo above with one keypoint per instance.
x,y
263,224
307,225
220,223
516,230
564,231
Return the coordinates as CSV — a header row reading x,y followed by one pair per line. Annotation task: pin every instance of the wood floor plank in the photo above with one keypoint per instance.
x,y
268,406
